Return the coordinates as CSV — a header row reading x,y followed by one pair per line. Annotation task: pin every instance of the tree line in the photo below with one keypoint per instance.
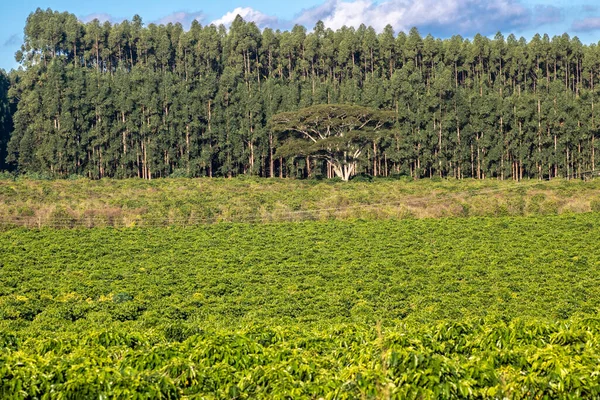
x,y
135,100
6,112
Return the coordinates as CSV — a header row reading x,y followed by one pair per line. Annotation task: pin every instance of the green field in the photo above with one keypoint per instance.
x,y
412,308
178,202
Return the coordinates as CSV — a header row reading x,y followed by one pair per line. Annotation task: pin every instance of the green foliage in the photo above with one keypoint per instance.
x,y
336,133
501,308
517,360
5,176
60,217
129,100
362,178
310,272
6,111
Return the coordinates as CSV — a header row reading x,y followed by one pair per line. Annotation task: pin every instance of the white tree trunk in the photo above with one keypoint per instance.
x,y
345,172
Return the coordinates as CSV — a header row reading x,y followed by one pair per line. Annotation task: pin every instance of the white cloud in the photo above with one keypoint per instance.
x,y
102,17
547,14
310,16
589,8
249,15
441,17
182,17
586,24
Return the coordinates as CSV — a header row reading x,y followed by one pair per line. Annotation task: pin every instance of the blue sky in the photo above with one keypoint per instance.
x,y
441,18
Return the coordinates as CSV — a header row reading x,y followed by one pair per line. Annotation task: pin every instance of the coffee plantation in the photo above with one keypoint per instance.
x,y
414,308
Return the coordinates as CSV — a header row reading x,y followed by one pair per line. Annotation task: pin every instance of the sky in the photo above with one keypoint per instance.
x,y
443,19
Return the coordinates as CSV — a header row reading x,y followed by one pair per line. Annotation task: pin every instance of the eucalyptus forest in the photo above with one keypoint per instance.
x,y
135,100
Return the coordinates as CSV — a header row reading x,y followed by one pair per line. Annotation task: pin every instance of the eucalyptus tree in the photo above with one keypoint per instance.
x,y
387,51
5,117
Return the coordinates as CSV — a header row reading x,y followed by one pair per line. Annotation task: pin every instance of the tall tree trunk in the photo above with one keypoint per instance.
x,y
374,158
280,167
271,160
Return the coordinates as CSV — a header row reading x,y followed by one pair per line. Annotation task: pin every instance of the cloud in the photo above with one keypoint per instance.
x,y
182,17
102,17
14,40
589,8
586,24
442,18
250,15
546,15
310,16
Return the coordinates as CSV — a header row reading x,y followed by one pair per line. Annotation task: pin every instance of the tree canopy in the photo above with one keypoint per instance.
x,y
5,116
337,133
135,100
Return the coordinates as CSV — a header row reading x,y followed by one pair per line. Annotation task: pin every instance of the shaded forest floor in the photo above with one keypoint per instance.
x,y
166,202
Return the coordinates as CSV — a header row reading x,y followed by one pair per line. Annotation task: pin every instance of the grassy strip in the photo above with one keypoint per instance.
x,y
128,203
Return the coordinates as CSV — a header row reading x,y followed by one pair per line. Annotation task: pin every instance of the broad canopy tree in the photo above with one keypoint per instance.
x,y
336,133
